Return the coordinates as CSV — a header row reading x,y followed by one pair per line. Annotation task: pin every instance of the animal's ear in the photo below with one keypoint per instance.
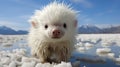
x,y
34,24
75,23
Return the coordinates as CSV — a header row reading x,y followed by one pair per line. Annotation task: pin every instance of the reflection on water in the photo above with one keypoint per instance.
x,y
91,50
104,46
93,61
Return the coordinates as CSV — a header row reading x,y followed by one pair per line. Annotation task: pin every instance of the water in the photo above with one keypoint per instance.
x,y
87,58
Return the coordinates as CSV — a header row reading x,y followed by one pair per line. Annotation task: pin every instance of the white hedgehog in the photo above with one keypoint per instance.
x,y
52,34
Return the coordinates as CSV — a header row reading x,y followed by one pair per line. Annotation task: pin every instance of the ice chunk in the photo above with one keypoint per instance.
x,y
26,59
5,60
63,64
29,64
81,49
12,64
20,51
111,55
8,44
88,45
1,64
103,50
117,60
44,65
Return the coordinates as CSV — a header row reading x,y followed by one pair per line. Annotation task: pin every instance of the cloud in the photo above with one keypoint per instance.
x,y
85,3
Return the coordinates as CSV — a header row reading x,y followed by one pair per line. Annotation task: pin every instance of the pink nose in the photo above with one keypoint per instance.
x,y
56,33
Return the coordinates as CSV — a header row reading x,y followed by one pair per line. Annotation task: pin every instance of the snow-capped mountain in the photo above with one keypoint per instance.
x,y
91,29
9,31
114,29
87,29
83,29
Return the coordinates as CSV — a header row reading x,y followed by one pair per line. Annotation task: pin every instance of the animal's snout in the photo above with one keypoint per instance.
x,y
57,33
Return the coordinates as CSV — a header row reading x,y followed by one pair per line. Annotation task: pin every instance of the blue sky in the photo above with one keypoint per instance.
x,y
15,13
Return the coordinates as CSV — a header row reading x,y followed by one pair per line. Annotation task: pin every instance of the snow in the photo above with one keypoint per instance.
x,y
14,54
111,55
117,60
103,45
88,45
11,59
103,50
14,51
13,64
82,49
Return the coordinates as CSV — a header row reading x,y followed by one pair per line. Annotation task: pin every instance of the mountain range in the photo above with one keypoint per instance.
x,y
89,29
83,29
9,31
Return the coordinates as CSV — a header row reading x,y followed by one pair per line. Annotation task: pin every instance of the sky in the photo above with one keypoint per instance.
x,y
16,13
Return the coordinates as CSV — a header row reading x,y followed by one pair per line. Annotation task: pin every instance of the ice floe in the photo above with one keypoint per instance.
x,y
15,54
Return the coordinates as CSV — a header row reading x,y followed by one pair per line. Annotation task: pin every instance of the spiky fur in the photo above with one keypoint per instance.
x,y
41,45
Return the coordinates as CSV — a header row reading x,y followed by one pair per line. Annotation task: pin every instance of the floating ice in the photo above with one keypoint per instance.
x,y
44,65
117,60
81,49
13,64
103,50
5,60
88,45
29,64
111,55
17,56
14,59
7,44
20,51
63,64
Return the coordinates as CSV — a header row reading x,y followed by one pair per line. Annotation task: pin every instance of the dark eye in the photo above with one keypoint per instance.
x,y
64,25
46,26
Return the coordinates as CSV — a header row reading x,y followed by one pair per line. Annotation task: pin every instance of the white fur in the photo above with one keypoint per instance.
x,y
38,36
